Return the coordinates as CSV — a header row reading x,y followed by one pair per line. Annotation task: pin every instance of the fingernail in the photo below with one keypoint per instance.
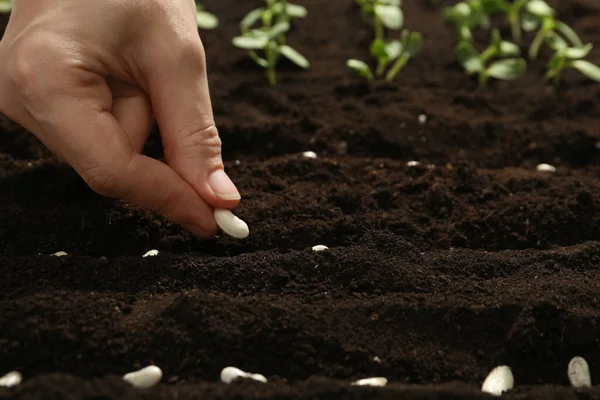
x,y
222,185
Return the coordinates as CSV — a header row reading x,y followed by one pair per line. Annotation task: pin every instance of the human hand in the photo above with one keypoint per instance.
x,y
88,77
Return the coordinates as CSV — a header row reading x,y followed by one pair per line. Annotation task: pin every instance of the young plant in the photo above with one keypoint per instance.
x,y
5,6
205,19
386,14
523,15
275,17
468,15
397,52
570,57
549,31
509,65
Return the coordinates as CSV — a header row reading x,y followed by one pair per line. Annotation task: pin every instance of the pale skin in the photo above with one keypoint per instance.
x,y
89,77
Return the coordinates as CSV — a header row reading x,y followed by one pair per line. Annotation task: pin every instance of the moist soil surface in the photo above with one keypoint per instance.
x,y
435,273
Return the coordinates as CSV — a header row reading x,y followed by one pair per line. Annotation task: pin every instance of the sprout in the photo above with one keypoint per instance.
x,y
204,19
549,34
509,67
276,17
466,16
5,6
386,14
523,15
570,57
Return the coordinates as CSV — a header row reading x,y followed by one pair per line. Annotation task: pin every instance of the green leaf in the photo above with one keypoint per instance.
x,y
296,11
539,8
569,33
494,6
509,49
250,43
278,29
468,57
378,50
206,20
360,68
294,56
459,14
577,53
509,69
588,69
391,16
397,3
555,42
251,18
465,33
393,49
414,44
530,22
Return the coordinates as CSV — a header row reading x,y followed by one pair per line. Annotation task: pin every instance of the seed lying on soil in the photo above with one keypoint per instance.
x,y
546,168
579,372
229,374
144,378
230,224
310,154
422,119
412,163
11,379
371,382
151,253
320,247
499,380
60,254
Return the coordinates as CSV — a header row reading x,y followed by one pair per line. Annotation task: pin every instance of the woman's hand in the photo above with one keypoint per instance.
x,y
88,77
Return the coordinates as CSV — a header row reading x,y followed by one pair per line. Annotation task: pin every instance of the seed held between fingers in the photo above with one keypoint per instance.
x,y
144,378
11,379
579,373
229,374
230,224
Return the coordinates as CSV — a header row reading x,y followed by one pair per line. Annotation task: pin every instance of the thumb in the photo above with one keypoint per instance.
x,y
180,97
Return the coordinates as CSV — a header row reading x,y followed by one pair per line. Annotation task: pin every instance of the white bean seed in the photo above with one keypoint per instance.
x,y
60,254
371,382
498,381
422,119
229,374
11,379
412,163
145,377
579,372
151,253
320,247
546,168
310,154
230,224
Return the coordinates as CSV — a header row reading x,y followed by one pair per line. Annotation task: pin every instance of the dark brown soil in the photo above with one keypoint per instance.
x,y
435,273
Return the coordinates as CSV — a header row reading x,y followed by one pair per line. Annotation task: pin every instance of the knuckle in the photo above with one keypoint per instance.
x,y
206,139
101,180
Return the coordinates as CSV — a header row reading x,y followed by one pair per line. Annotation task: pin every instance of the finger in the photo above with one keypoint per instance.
x,y
96,146
132,110
180,98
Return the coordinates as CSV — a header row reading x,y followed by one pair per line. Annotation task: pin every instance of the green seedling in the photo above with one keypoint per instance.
x,y
275,17
205,19
397,52
570,57
549,31
523,15
469,15
386,14
508,65
5,6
